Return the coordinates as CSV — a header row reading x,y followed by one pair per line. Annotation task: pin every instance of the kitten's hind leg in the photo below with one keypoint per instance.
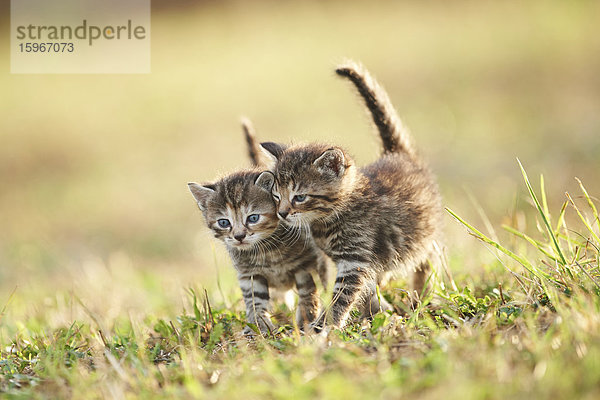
x,y
421,285
308,299
373,303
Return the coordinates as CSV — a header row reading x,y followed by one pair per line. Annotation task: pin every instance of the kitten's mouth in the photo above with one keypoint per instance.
x,y
247,243
298,219
242,245
285,220
291,217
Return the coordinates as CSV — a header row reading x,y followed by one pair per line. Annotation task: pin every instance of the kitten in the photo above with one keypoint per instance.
x,y
258,160
372,220
240,211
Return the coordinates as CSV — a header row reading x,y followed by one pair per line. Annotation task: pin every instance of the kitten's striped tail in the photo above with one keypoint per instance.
x,y
253,144
394,135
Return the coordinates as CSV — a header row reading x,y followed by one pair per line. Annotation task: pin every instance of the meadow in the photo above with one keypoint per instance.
x,y
112,287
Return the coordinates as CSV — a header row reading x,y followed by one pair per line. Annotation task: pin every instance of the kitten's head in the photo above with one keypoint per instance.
x,y
239,208
311,180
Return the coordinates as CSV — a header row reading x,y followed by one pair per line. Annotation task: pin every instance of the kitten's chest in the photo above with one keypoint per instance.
x,y
346,240
324,243
273,265
326,237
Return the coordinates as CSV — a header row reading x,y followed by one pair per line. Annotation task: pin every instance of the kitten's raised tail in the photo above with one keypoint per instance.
x,y
253,145
394,135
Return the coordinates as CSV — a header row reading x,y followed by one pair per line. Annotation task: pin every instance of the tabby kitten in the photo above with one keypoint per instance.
x,y
258,160
371,221
240,211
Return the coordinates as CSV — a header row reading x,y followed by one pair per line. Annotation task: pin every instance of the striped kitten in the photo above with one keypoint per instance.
x,y
240,211
371,221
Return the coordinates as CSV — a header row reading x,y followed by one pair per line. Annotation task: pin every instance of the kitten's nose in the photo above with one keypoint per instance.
x,y
239,237
284,214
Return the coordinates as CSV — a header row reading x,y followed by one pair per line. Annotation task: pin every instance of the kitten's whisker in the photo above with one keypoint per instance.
x,y
295,235
307,235
289,231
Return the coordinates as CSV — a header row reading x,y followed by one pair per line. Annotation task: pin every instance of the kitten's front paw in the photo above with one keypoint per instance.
x,y
305,316
264,325
317,326
249,332
374,305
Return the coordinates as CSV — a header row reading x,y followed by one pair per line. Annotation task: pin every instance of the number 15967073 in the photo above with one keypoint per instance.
x,y
47,47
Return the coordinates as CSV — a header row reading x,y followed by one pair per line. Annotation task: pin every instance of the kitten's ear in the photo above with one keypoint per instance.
x,y
265,181
272,152
201,193
331,161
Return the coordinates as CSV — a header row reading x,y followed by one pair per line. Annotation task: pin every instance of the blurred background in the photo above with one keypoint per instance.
x,y
93,168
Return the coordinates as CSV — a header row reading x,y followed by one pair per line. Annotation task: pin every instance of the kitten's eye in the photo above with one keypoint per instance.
x,y
253,218
223,223
299,198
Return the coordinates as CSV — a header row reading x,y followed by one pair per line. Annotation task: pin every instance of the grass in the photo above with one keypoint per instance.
x,y
529,328
103,254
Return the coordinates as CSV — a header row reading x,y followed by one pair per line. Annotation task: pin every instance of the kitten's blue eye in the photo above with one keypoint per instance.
x,y
253,218
299,198
223,223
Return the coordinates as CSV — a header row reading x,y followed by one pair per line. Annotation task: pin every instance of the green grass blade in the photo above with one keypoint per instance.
x,y
479,235
3,311
561,217
591,278
590,202
543,193
484,218
587,197
532,241
543,214
583,219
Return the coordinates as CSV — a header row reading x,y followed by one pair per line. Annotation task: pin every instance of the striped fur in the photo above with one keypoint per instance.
x,y
259,160
269,254
382,218
393,133
254,152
